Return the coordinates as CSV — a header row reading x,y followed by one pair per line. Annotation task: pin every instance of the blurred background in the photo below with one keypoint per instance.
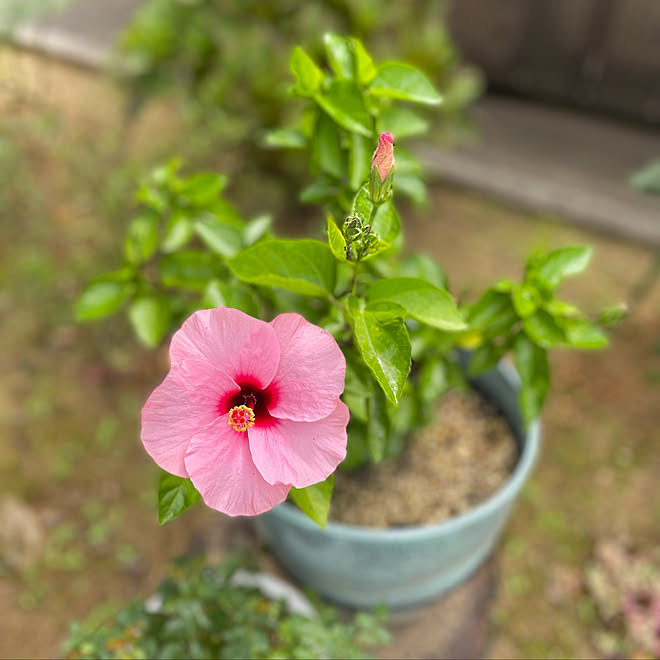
x,y
549,136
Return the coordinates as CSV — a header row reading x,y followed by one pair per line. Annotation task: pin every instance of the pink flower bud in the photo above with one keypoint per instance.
x,y
383,158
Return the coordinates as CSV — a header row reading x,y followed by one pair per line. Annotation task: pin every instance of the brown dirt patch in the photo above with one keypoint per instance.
x,y
443,471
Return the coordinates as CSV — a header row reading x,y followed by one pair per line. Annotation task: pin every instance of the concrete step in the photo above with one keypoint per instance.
x,y
559,162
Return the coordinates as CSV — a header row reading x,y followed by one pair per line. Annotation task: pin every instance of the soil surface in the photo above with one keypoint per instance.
x,y
444,470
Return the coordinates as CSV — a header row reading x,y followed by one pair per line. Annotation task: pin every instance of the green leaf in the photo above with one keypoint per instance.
x,y
175,495
543,330
200,189
647,179
401,122
226,213
581,333
304,266
340,57
336,241
412,186
103,296
358,161
344,102
421,299
308,75
534,371
386,223
553,267
150,318
180,229
422,266
526,299
492,314
190,270
378,425
315,500
432,380
397,80
224,239
384,347
326,152
256,228
318,191
486,357
365,67
225,294
285,138
142,239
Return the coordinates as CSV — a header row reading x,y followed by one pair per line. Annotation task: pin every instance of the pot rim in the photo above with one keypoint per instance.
x,y
497,500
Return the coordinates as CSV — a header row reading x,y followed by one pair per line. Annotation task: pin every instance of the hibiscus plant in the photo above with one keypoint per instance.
x,y
294,357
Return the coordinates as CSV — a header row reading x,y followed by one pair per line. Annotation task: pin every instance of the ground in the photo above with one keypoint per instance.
x,y
79,490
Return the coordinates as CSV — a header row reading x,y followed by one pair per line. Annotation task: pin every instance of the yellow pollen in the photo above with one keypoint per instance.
x,y
241,418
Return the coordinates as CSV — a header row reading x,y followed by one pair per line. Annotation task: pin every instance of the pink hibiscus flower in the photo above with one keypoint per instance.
x,y
249,408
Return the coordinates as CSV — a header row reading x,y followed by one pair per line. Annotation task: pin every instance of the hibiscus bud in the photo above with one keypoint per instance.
x,y
382,169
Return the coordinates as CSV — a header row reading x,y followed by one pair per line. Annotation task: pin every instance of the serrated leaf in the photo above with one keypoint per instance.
x,y
315,500
307,73
150,318
344,102
421,299
303,266
398,80
384,347
175,495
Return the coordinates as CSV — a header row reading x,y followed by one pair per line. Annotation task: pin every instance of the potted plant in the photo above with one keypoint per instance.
x,y
299,356
226,610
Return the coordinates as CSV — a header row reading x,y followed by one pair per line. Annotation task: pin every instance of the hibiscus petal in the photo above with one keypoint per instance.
x,y
300,453
170,418
241,346
203,382
311,371
220,466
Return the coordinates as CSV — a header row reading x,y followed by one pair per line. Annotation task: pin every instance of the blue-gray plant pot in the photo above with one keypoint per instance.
x,y
403,567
